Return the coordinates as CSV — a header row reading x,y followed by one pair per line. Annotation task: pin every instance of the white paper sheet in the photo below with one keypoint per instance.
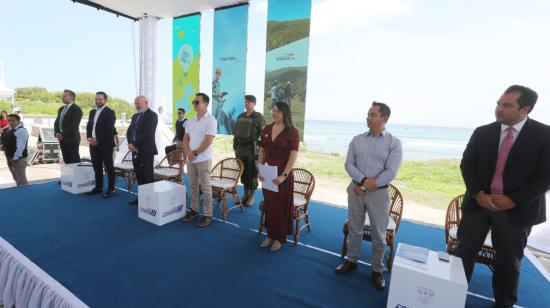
x,y
269,173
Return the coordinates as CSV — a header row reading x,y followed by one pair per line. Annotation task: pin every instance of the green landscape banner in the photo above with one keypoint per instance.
x,y
287,57
185,62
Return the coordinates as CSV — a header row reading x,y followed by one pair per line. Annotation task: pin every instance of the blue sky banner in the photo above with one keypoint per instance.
x,y
185,62
229,66
287,57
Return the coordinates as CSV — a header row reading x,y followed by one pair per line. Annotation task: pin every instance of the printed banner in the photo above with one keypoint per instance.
x,y
287,57
185,55
229,65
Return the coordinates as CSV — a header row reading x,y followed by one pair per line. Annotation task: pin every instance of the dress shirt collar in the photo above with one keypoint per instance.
x,y
517,127
382,133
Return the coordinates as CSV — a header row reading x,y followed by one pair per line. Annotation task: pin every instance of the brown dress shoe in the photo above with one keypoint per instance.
x,y
345,267
378,280
205,221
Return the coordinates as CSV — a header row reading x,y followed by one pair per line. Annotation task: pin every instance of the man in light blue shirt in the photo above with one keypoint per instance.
x,y
14,143
372,162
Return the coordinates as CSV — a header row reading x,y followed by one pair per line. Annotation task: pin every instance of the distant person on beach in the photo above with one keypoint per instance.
x,y
372,162
279,147
274,93
67,127
506,169
14,143
141,142
288,94
246,145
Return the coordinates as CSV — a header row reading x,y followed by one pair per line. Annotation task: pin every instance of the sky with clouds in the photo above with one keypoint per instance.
x,y
442,63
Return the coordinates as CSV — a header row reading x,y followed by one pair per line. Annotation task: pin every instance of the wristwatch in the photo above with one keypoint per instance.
x,y
285,174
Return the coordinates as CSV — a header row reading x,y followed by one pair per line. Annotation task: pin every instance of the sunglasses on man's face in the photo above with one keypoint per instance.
x,y
196,102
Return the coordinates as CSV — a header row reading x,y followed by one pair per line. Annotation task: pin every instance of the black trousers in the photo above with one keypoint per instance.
x,y
508,239
103,156
143,168
69,150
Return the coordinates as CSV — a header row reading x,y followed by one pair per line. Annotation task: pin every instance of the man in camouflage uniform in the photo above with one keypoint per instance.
x,y
246,145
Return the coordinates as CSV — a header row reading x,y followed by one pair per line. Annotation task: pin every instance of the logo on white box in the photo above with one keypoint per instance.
x,y
67,183
425,295
148,211
174,210
86,184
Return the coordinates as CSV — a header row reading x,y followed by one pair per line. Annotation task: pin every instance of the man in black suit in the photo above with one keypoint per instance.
x,y
506,169
141,141
100,131
66,127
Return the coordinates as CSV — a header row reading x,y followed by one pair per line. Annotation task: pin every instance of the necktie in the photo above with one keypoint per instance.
x,y
61,117
497,185
134,130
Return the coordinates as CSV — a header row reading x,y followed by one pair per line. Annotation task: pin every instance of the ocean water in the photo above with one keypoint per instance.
x,y
420,143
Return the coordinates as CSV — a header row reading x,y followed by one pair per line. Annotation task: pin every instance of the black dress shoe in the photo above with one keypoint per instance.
x,y
108,193
94,191
378,280
133,202
345,267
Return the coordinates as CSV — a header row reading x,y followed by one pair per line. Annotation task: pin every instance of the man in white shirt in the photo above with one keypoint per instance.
x,y
197,143
100,131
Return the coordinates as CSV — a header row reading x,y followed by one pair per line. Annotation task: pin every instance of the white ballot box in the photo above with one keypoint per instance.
x,y
77,178
161,202
434,283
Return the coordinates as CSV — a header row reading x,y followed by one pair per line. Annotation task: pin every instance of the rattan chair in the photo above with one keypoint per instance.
x,y
304,183
125,169
223,179
487,253
170,167
396,212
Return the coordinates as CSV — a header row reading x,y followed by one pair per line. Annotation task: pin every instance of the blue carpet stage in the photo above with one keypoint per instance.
x,y
106,256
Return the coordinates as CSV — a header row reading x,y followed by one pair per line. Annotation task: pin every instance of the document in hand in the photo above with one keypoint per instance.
x,y
269,173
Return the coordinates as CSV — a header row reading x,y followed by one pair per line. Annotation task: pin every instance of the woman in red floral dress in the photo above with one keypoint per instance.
x,y
279,147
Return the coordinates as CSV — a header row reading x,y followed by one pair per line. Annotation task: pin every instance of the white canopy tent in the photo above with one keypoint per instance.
x,y
135,9
147,13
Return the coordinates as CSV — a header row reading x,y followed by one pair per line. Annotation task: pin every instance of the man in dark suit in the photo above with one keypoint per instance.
x,y
141,141
506,169
100,131
66,127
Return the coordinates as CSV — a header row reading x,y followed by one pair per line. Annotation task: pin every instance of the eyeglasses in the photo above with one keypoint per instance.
x,y
196,102
180,112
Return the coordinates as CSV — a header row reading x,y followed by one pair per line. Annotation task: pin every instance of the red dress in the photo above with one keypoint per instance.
x,y
278,205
